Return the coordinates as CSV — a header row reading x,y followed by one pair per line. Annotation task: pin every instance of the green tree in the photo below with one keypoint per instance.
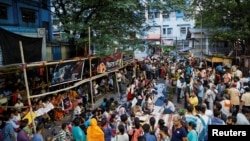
x,y
113,23
110,21
227,19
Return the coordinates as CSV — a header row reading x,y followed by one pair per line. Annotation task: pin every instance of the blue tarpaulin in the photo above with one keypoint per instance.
x,y
185,49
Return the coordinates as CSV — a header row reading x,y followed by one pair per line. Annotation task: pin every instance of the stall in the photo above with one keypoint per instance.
x,y
217,59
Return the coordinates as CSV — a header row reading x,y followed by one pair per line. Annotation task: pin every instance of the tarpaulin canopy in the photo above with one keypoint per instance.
x,y
9,43
185,49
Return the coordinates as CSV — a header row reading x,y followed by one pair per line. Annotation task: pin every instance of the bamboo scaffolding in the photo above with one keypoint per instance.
x,y
27,85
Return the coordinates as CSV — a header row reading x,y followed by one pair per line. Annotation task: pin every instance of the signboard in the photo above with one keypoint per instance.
x,y
127,59
67,72
110,63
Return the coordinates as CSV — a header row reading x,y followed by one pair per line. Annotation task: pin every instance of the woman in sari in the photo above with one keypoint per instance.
x,y
94,132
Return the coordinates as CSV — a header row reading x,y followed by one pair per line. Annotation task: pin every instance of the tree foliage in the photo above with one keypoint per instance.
x,y
228,19
110,21
113,23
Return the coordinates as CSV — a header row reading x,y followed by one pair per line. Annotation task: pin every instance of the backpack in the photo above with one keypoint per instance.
x,y
203,136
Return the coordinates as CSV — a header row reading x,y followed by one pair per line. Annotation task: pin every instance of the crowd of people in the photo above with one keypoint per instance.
x,y
208,96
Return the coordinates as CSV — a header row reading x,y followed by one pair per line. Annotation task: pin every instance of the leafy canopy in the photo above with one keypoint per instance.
x,y
113,23
228,19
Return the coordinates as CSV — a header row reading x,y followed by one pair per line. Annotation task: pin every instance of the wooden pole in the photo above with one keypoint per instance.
x,y
89,41
47,77
14,107
117,85
91,83
26,84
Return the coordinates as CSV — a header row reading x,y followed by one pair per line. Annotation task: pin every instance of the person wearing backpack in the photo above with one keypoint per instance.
x,y
205,120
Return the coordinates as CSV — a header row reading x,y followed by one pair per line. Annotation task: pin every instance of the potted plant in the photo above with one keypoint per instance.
x,y
182,111
170,96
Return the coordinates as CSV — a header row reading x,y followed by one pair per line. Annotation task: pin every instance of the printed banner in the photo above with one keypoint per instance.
x,y
67,72
66,103
109,63
127,58
168,42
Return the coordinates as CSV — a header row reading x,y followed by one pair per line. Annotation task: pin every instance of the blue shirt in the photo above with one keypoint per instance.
x,y
219,68
107,133
38,137
192,136
78,134
217,121
8,132
178,134
150,137
201,91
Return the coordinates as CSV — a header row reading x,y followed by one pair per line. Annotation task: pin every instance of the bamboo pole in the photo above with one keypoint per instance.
x,y
26,84
60,90
91,84
14,107
117,85
35,64
47,77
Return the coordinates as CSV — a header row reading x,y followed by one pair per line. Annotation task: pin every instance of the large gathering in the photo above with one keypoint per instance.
x,y
161,99
124,70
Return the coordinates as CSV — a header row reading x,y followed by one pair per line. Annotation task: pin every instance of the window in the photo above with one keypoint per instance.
x,y
183,30
164,31
3,12
157,14
150,15
169,31
165,15
45,4
28,15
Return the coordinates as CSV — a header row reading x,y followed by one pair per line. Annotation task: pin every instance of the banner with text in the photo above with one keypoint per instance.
x,y
67,72
127,59
109,63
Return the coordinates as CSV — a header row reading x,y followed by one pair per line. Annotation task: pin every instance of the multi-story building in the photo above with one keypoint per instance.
x,y
27,17
168,27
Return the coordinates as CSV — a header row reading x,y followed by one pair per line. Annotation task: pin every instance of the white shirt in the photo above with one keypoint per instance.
x,y
180,85
209,95
205,118
209,113
16,118
225,107
123,137
170,106
119,77
111,82
77,110
18,105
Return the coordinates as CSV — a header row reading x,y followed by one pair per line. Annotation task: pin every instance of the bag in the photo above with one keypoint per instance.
x,y
203,135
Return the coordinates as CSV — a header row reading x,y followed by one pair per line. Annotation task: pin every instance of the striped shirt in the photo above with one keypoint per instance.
x,y
62,135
